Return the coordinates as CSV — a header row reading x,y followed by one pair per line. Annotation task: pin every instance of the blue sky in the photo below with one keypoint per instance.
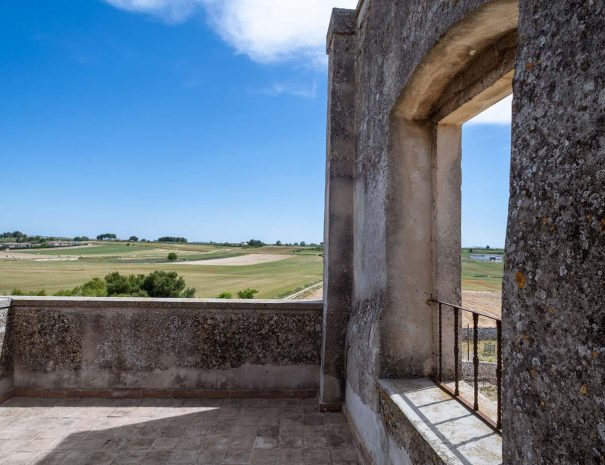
x,y
200,118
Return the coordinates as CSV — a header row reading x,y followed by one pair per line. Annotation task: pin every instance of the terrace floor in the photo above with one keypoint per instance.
x,y
172,431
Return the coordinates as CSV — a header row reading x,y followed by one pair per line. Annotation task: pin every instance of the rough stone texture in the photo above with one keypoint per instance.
x,y
172,431
6,352
128,343
414,63
384,336
433,428
487,372
338,240
554,286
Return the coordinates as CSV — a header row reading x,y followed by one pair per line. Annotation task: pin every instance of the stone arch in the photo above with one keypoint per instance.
x,y
477,47
467,70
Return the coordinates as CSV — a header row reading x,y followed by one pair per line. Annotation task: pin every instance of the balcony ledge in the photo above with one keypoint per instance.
x,y
433,427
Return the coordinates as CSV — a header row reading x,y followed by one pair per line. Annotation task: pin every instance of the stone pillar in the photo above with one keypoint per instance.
x,y
447,241
338,234
6,352
554,279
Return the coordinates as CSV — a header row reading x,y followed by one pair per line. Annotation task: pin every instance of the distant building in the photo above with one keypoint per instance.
x,y
483,257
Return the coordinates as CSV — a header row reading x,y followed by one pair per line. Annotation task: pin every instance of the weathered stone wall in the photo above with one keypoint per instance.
x,y
165,344
554,284
487,372
392,39
554,329
6,353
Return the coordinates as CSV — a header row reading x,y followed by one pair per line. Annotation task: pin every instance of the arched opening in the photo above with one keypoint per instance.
x,y
466,72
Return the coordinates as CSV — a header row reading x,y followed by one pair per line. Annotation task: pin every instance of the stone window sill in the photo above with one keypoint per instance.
x,y
433,428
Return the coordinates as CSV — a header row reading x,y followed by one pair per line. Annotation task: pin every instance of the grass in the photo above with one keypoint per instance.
x,y
485,355
272,279
481,276
110,249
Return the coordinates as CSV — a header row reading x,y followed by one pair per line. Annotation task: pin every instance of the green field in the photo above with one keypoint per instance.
x,y
481,276
274,279
302,268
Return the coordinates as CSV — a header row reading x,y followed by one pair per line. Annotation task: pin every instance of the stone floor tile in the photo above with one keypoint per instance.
x,y
242,442
156,457
174,432
216,441
266,442
345,454
11,445
77,457
189,443
339,436
129,457
20,458
101,458
138,444
54,457
316,456
211,456
165,444
183,456
38,445
290,457
237,457
263,457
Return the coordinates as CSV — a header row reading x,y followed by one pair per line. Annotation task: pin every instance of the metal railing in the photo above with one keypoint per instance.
x,y
474,404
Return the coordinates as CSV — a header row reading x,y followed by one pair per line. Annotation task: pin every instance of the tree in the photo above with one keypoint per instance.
x,y
247,293
487,247
172,239
278,243
255,243
81,239
134,239
106,236
173,257
163,284
156,284
303,244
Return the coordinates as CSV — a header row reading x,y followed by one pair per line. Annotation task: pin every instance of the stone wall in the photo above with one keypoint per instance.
x,y
176,345
415,62
554,278
487,372
6,354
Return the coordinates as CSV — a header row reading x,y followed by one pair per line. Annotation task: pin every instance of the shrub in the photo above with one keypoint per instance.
x,y
173,257
19,292
225,295
156,284
247,293
163,284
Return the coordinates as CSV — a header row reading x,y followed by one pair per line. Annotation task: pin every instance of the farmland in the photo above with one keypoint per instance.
x,y
287,270
211,270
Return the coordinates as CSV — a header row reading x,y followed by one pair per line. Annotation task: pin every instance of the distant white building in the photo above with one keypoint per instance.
x,y
484,257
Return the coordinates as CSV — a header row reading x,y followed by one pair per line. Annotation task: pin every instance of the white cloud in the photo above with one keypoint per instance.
x,y
171,11
265,30
296,90
500,113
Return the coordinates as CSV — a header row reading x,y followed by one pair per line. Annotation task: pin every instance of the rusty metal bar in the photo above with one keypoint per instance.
x,y
499,374
472,406
456,351
485,418
440,344
478,312
476,360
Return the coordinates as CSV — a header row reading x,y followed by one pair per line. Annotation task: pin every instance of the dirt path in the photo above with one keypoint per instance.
x,y
243,260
